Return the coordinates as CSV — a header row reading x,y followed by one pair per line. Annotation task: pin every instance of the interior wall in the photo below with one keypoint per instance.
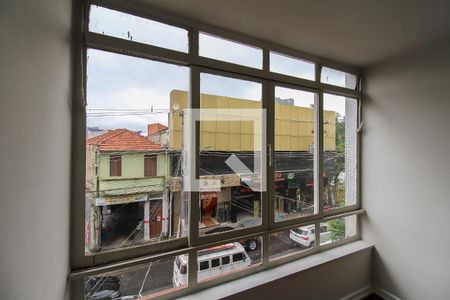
x,y
332,280
35,121
406,172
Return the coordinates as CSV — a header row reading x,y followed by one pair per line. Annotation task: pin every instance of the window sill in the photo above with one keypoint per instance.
x,y
264,277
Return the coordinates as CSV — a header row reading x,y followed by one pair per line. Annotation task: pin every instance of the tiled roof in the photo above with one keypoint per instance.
x,y
122,140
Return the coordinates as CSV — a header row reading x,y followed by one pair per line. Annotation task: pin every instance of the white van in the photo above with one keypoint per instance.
x,y
212,262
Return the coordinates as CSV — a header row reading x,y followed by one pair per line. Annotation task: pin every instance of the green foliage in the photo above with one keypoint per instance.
x,y
337,229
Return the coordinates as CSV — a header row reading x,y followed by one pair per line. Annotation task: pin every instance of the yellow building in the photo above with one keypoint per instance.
x,y
294,126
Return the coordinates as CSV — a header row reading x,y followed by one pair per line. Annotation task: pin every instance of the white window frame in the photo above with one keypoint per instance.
x,y
82,265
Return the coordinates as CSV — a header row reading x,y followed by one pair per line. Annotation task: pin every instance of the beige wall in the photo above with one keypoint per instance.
x,y
35,134
406,172
330,281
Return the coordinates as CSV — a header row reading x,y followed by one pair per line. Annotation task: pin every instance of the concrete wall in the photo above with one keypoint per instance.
x,y
406,172
35,132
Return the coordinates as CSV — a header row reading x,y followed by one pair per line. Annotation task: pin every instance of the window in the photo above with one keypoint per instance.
x,y
295,120
238,257
339,78
115,165
283,64
229,51
230,128
288,242
134,115
215,263
152,279
150,165
204,150
337,229
340,150
225,260
133,28
204,265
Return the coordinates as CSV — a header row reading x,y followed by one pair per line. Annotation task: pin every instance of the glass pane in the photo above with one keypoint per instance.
x,y
337,229
340,145
287,65
339,78
229,51
128,27
291,241
133,179
294,153
147,281
230,154
229,258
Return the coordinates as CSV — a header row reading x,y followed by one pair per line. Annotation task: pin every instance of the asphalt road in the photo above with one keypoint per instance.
x,y
282,245
160,274
159,277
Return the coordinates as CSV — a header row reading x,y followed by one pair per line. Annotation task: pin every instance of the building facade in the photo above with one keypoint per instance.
x,y
125,190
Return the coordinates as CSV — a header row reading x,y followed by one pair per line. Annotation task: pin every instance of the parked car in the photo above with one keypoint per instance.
x,y
306,237
103,288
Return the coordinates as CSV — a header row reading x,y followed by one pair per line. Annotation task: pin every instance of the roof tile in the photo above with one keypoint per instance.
x,y
122,140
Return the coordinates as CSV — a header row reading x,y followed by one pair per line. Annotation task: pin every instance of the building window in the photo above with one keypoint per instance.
x,y
267,173
150,165
115,165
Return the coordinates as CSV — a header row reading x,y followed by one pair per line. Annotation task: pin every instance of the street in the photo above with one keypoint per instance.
x,y
160,274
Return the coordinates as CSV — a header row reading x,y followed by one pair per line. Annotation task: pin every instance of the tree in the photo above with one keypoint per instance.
x,y
336,228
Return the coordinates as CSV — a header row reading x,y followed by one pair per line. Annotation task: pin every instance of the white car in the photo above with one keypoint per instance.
x,y
305,235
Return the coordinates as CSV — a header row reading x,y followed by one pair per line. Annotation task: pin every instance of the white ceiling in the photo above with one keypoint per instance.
x,y
356,32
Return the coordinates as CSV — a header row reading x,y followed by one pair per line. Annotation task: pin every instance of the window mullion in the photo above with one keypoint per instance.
x,y
317,235
265,249
360,125
192,269
193,129
266,60
271,153
193,43
318,154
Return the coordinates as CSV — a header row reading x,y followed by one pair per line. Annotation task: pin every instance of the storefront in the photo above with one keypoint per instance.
x,y
126,220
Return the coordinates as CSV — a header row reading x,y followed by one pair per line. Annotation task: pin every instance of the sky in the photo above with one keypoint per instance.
x,y
130,92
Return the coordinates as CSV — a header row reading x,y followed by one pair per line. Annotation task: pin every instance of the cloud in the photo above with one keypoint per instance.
x,y
130,108
123,82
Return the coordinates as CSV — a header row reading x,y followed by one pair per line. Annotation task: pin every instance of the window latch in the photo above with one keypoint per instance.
x,y
360,126
269,154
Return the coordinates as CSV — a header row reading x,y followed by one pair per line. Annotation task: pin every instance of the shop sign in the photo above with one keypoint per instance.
x,y
113,200
279,177
207,195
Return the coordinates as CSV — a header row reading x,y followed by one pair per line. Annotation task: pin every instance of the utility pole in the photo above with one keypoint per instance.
x,y
147,220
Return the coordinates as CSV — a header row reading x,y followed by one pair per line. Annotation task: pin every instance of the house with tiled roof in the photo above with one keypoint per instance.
x,y
126,171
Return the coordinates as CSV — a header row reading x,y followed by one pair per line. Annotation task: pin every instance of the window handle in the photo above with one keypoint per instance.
x,y
360,126
269,154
